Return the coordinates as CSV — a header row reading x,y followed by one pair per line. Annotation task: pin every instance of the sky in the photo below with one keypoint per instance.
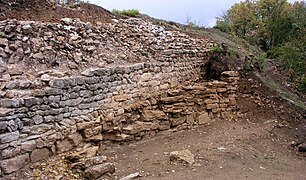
x,y
201,12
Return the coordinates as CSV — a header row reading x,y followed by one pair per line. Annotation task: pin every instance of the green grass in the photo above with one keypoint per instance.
x,y
127,12
216,49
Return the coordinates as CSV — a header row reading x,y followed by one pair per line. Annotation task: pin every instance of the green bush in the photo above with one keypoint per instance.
x,y
222,26
293,57
126,12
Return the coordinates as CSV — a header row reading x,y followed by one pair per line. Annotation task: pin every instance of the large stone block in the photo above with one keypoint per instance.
x,y
177,121
40,154
204,119
96,171
10,152
9,103
30,101
175,99
150,115
76,138
28,146
9,137
63,146
14,164
3,126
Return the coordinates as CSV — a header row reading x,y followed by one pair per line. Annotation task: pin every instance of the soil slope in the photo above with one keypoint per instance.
x,y
46,11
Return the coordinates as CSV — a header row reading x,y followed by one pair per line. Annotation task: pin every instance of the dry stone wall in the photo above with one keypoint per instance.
x,y
53,113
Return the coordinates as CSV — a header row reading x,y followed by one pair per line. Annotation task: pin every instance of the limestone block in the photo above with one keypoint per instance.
x,y
3,126
96,138
232,102
63,146
132,129
120,98
221,90
230,73
177,121
30,101
58,83
212,106
211,101
96,171
150,115
175,99
37,129
40,154
38,119
9,137
9,103
164,125
184,156
28,146
14,164
85,125
204,119
145,77
10,152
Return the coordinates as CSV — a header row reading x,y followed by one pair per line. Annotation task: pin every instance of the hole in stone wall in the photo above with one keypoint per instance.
x,y
213,68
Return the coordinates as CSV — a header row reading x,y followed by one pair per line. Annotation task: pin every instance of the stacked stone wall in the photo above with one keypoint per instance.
x,y
54,112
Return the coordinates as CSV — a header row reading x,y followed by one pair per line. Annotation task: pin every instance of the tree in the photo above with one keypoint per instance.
x,y
277,26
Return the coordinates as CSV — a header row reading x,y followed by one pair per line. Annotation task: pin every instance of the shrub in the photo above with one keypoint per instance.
x,y
222,26
128,12
293,57
260,60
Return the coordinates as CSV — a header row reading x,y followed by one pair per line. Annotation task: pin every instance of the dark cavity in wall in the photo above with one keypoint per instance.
x,y
213,68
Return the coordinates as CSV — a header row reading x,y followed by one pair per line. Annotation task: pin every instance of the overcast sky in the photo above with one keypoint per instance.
x,y
203,12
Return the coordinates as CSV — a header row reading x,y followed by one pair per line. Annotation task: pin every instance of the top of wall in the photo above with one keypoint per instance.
x,y
29,49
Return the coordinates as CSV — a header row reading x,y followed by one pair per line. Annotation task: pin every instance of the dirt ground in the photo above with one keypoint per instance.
x,y
45,11
224,150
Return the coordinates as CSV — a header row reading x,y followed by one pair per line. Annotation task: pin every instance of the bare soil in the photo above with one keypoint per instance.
x,y
46,11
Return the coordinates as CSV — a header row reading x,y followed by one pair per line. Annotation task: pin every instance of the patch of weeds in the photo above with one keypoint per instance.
x,y
232,53
261,60
248,66
216,49
127,12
